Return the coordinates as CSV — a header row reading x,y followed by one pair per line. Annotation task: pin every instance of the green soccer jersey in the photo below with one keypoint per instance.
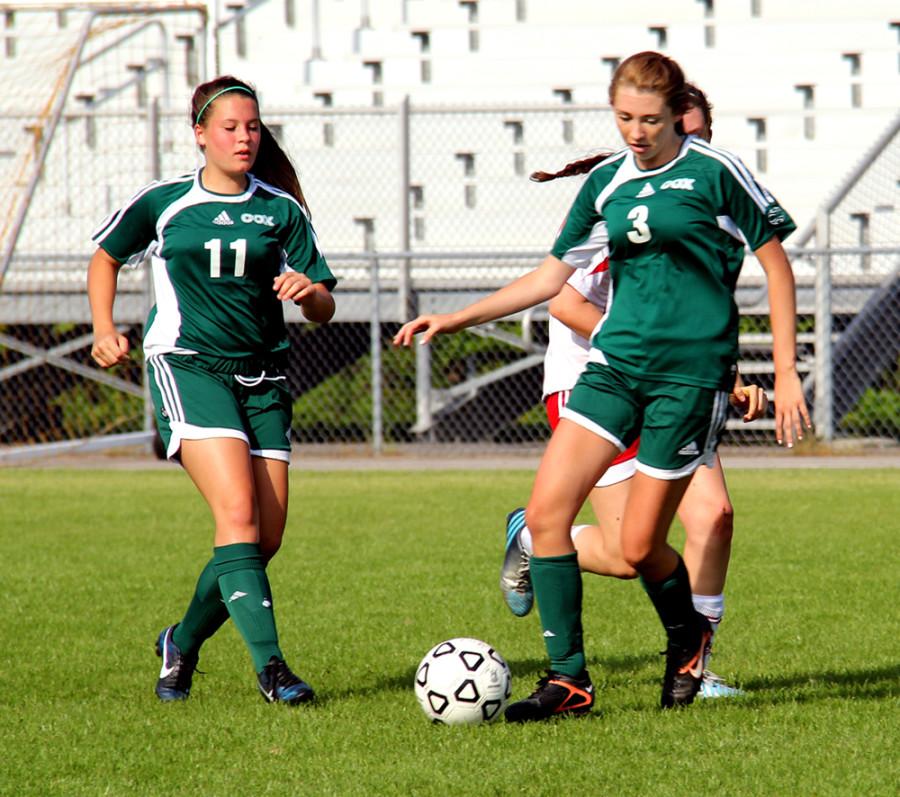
x,y
214,258
676,237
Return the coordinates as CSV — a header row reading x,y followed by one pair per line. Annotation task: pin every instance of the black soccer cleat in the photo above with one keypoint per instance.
x,y
684,669
556,695
177,671
278,684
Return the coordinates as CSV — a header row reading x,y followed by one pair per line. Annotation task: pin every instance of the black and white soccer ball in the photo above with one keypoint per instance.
x,y
463,681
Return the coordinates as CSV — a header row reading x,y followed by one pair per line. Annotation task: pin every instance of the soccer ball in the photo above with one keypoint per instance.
x,y
463,681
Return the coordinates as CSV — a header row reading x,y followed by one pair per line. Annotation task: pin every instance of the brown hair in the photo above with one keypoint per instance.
x,y
698,99
575,167
652,71
272,165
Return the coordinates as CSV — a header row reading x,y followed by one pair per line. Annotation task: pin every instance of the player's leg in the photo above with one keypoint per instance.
x,y
276,681
708,517
598,546
207,612
190,402
558,493
270,477
680,432
266,403
224,475
648,515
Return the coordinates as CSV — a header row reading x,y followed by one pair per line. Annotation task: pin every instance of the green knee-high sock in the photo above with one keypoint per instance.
x,y
205,614
244,585
557,587
672,600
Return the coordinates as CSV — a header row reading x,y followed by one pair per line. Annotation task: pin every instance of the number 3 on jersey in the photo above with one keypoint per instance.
x,y
641,232
214,246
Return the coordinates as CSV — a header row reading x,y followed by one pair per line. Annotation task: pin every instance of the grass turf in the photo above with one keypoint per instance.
x,y
378,567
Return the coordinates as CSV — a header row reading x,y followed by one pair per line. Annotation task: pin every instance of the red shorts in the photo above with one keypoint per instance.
x,y
621,468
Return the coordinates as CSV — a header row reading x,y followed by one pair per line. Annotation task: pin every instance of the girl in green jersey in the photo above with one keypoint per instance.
x,y
676,214
228,244
705,511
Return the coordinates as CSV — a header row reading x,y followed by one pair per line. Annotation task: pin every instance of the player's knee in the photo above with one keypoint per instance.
x,y
237,512
622,570
721,522
638,554
545,521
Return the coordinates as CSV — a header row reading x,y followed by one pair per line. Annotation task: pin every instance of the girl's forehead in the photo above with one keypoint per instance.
x,y
638,102
235,105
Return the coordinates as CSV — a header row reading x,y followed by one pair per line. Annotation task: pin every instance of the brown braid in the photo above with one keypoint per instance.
x,y
582,166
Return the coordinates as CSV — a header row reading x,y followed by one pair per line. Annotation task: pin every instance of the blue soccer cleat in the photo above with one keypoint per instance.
x,y
278,684
515,575
714,685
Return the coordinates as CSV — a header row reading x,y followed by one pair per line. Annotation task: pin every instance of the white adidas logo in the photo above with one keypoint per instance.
x,y
690,449
548,633
237,595
223,219
647,190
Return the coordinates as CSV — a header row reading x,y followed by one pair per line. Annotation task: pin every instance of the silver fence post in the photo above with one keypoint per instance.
x,y
423,389
155,152
375,341
405,304
406,299
368,227
823,411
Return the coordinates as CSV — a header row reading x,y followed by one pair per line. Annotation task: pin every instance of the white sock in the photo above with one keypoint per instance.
x,y
525,540
712,607
525,537
576,530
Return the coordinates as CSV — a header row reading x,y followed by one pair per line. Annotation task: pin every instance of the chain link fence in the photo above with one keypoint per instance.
x,y
418,210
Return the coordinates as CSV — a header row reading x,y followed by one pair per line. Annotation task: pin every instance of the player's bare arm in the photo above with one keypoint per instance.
x,y
577,312
313,298
791,414
109,347
527,291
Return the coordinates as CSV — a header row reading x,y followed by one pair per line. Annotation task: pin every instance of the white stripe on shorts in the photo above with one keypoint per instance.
x,y
168,388
591,426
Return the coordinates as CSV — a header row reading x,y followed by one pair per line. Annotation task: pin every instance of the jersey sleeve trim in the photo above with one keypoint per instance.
x,y
742,176
112,221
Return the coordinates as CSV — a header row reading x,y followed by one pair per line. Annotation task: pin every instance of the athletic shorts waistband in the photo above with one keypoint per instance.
x,y
242,366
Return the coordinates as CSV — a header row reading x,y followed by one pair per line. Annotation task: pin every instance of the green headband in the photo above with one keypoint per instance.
x,y
219,94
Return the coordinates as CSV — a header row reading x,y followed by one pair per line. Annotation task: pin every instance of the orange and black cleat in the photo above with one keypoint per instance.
x,y
684,669
556,695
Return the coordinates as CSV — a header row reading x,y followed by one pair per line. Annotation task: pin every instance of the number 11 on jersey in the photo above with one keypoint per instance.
x,y
214,245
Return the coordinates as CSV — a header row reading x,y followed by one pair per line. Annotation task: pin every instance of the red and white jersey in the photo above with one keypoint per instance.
x,y
567,351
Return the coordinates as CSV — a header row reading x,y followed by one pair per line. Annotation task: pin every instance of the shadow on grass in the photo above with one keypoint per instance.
x,y
874,683
526,669
877,683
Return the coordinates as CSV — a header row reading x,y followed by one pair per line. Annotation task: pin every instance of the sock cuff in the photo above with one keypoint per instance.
x,y
565,560
710,606
678,576
238,556
576,530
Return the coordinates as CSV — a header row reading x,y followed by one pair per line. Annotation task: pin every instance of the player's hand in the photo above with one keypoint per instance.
x,y
431,325
791,415
749,400
293,286
110,349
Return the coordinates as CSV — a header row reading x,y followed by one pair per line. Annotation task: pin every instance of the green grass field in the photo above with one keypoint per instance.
x,y
378,567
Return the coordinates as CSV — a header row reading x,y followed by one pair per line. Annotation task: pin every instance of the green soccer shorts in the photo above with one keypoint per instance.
x,y
198,398
679,425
